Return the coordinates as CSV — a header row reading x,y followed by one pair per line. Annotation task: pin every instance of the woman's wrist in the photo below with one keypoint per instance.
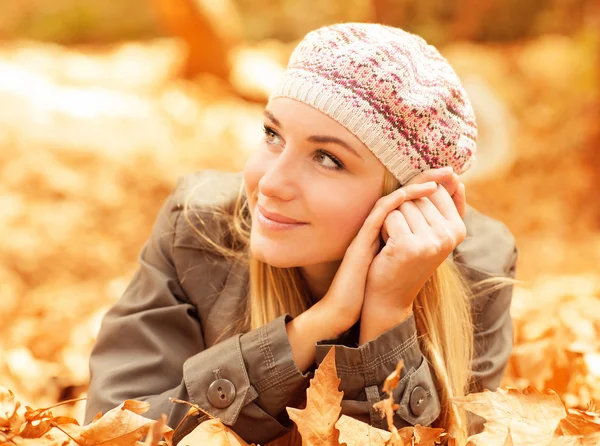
x,y
376,319
317,323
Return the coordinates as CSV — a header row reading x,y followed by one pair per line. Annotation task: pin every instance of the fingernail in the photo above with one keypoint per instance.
x,y
447,169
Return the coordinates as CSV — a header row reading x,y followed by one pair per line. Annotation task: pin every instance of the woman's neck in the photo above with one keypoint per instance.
x,y
319,277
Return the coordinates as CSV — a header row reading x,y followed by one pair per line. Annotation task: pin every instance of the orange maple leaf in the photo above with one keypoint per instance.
x,y
354,432
121,426
10,419
214,433
316,422
530,416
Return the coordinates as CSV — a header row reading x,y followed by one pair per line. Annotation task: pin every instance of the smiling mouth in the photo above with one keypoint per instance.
x,y
277,217
268,223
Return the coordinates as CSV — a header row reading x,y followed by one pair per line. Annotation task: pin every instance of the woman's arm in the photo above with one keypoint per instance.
x,y
362,367
151,347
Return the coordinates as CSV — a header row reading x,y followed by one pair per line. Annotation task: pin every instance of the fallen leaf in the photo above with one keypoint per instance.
x,y
37,428
118,427
316,422
531,416
10,419
135,406
427,436
584,425
354,432
388,407
508,440
214,433
156,432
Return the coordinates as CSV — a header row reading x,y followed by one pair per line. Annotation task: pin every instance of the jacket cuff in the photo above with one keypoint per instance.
x,y
376,359
365,368
273,372
229,370
254,367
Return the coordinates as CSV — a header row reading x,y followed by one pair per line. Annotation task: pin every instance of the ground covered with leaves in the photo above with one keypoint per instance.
x,y
90,146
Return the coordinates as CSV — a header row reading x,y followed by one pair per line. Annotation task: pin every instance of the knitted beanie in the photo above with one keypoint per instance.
x,y
391,89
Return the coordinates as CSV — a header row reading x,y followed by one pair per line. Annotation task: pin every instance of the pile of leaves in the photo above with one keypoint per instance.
x,y
512,418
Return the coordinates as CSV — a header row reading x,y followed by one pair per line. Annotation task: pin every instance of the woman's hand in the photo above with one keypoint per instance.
x,y
419,235
344,299
342,305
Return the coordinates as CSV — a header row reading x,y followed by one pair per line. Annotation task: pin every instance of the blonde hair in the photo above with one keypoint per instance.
x,y
441,309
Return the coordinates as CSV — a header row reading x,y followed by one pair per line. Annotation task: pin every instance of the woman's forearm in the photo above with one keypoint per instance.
x,y
304,331
376,319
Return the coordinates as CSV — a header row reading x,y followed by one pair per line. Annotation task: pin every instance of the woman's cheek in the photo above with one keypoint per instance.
x,y
343,221
253,172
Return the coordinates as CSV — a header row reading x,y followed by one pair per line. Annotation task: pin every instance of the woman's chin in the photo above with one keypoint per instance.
x,y
274,254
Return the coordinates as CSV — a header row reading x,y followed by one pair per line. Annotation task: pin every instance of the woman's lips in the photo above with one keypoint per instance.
x,y
276,221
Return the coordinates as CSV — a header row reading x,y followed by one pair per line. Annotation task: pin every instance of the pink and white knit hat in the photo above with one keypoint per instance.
x,y
391,89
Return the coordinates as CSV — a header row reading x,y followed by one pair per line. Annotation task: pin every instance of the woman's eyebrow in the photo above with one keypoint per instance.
x,y
272,117
323,139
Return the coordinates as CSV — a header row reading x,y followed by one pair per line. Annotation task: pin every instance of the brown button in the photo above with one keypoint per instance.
x,y
418,401
221,393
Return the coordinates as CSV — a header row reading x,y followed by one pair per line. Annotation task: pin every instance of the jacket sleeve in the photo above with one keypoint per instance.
x,y
150,347
363,368
493,341
493,337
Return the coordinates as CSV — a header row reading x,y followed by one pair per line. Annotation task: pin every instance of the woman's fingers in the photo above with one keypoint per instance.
x,y
460,200
395,223
414,217
451,182
436,175
445,205
369,233
429,211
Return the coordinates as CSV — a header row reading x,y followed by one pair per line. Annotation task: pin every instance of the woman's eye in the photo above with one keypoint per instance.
x,y
328,161
270,135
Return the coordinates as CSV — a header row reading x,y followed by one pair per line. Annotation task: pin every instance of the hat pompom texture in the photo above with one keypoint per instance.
x,y
389,88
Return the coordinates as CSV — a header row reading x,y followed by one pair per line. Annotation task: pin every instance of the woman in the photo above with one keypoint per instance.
x,y
346,231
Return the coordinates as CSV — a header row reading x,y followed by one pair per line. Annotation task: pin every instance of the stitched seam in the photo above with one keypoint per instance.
x,y
265,348
392,354
269,382
238,407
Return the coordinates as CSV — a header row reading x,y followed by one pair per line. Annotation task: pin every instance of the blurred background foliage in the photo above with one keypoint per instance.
x,y
105,104
438,21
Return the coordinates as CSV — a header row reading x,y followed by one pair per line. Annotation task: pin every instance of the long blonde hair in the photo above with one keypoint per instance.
x,y
441,309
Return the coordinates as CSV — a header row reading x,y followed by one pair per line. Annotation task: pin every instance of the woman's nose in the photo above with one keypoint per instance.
x,y
280,178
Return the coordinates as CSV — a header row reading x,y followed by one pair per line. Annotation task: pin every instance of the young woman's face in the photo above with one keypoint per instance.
x,y
311,170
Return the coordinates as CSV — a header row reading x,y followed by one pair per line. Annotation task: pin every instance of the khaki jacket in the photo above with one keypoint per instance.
x,y
160,339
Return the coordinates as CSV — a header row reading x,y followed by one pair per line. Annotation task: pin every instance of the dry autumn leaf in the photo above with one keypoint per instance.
x,y
156,432
356,433
10,419
529,417
388,407
214,433
121,426
532,416
316,422
584,424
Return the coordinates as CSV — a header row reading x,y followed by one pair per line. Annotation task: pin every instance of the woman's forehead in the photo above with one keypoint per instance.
x,y
302,120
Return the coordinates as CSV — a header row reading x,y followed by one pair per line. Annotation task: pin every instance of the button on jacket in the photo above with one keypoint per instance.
x,y
167,335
